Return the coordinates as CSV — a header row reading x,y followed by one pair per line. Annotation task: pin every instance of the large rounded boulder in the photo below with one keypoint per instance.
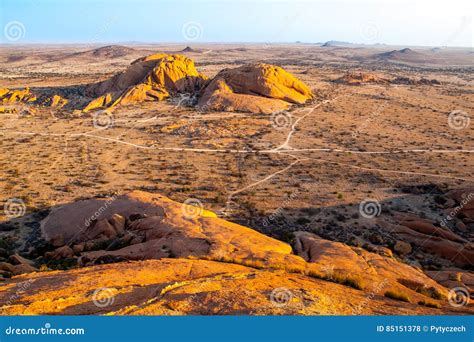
x,y
256,88
152,78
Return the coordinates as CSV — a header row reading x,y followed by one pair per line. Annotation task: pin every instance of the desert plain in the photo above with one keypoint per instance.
x,y
358,199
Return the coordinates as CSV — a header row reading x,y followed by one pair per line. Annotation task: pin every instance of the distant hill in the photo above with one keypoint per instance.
x,y
188,49
109,51
395,55
336,43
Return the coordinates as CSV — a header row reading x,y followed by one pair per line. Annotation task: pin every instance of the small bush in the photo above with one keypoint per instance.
x,y
429,304
455,276
397,296
430,292
435,294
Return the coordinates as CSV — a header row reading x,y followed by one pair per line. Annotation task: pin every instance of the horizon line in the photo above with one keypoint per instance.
x,y
188,43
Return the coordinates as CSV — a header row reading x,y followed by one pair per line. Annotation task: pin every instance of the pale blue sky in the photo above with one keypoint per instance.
x,y
415,22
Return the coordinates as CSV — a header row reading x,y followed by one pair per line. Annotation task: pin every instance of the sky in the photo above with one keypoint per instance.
x,y
402,22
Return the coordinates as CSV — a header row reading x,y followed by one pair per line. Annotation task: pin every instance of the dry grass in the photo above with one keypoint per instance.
x,y
355,282
397,295
429,304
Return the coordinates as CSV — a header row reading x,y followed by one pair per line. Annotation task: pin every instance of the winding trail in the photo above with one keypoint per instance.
x,y
212,150
286,143
283,149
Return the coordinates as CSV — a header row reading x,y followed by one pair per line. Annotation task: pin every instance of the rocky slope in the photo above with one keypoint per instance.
x,y
164,257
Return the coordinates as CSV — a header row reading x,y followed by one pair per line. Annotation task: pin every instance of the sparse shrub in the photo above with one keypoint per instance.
x,y
340,278
429,304
302,221
455,276
430,292
435,294
315,274
397,296
258,264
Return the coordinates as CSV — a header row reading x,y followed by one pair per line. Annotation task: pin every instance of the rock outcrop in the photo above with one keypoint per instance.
x,y
152,78
141,225
14,96
434,239
362,268
100,102
196,287
189,261
256,88
25,101
358,78
464,204
411,81
56,101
